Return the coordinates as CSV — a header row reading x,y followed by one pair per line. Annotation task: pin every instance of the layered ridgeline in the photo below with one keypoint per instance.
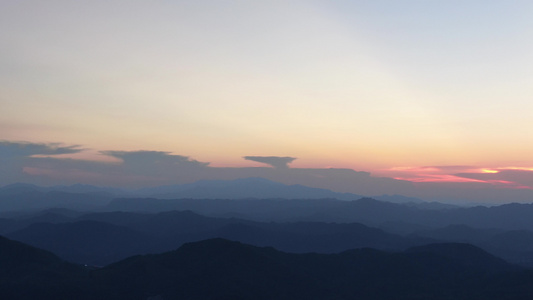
x,y
263,200
27,196
222,269
116,228
103,238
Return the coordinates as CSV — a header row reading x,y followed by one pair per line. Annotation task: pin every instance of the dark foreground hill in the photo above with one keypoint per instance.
x,y
30,273
222,269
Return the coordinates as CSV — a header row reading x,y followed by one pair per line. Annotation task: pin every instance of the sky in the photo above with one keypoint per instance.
x,y
427,98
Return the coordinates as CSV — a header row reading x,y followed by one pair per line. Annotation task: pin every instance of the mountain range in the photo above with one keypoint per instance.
x,y
100,238
256,239
223,269
21,196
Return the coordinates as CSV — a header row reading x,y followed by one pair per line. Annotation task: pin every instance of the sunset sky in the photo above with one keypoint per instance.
x,y
438,93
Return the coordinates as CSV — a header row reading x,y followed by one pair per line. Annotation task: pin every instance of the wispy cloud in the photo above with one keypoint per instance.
x,y
20,149
143,157
513,177
50,164
274,161
431,173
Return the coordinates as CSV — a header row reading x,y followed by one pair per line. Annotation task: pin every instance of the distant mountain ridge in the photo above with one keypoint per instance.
x,y
253,187
244,188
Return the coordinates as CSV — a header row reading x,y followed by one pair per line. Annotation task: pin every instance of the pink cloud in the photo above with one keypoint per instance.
x,y
501,177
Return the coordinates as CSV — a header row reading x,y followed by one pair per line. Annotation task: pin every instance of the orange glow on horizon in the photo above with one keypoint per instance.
x,y
517,168
459,174
491,171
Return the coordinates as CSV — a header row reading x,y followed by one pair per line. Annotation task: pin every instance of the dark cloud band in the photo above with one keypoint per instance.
x,y
21,149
